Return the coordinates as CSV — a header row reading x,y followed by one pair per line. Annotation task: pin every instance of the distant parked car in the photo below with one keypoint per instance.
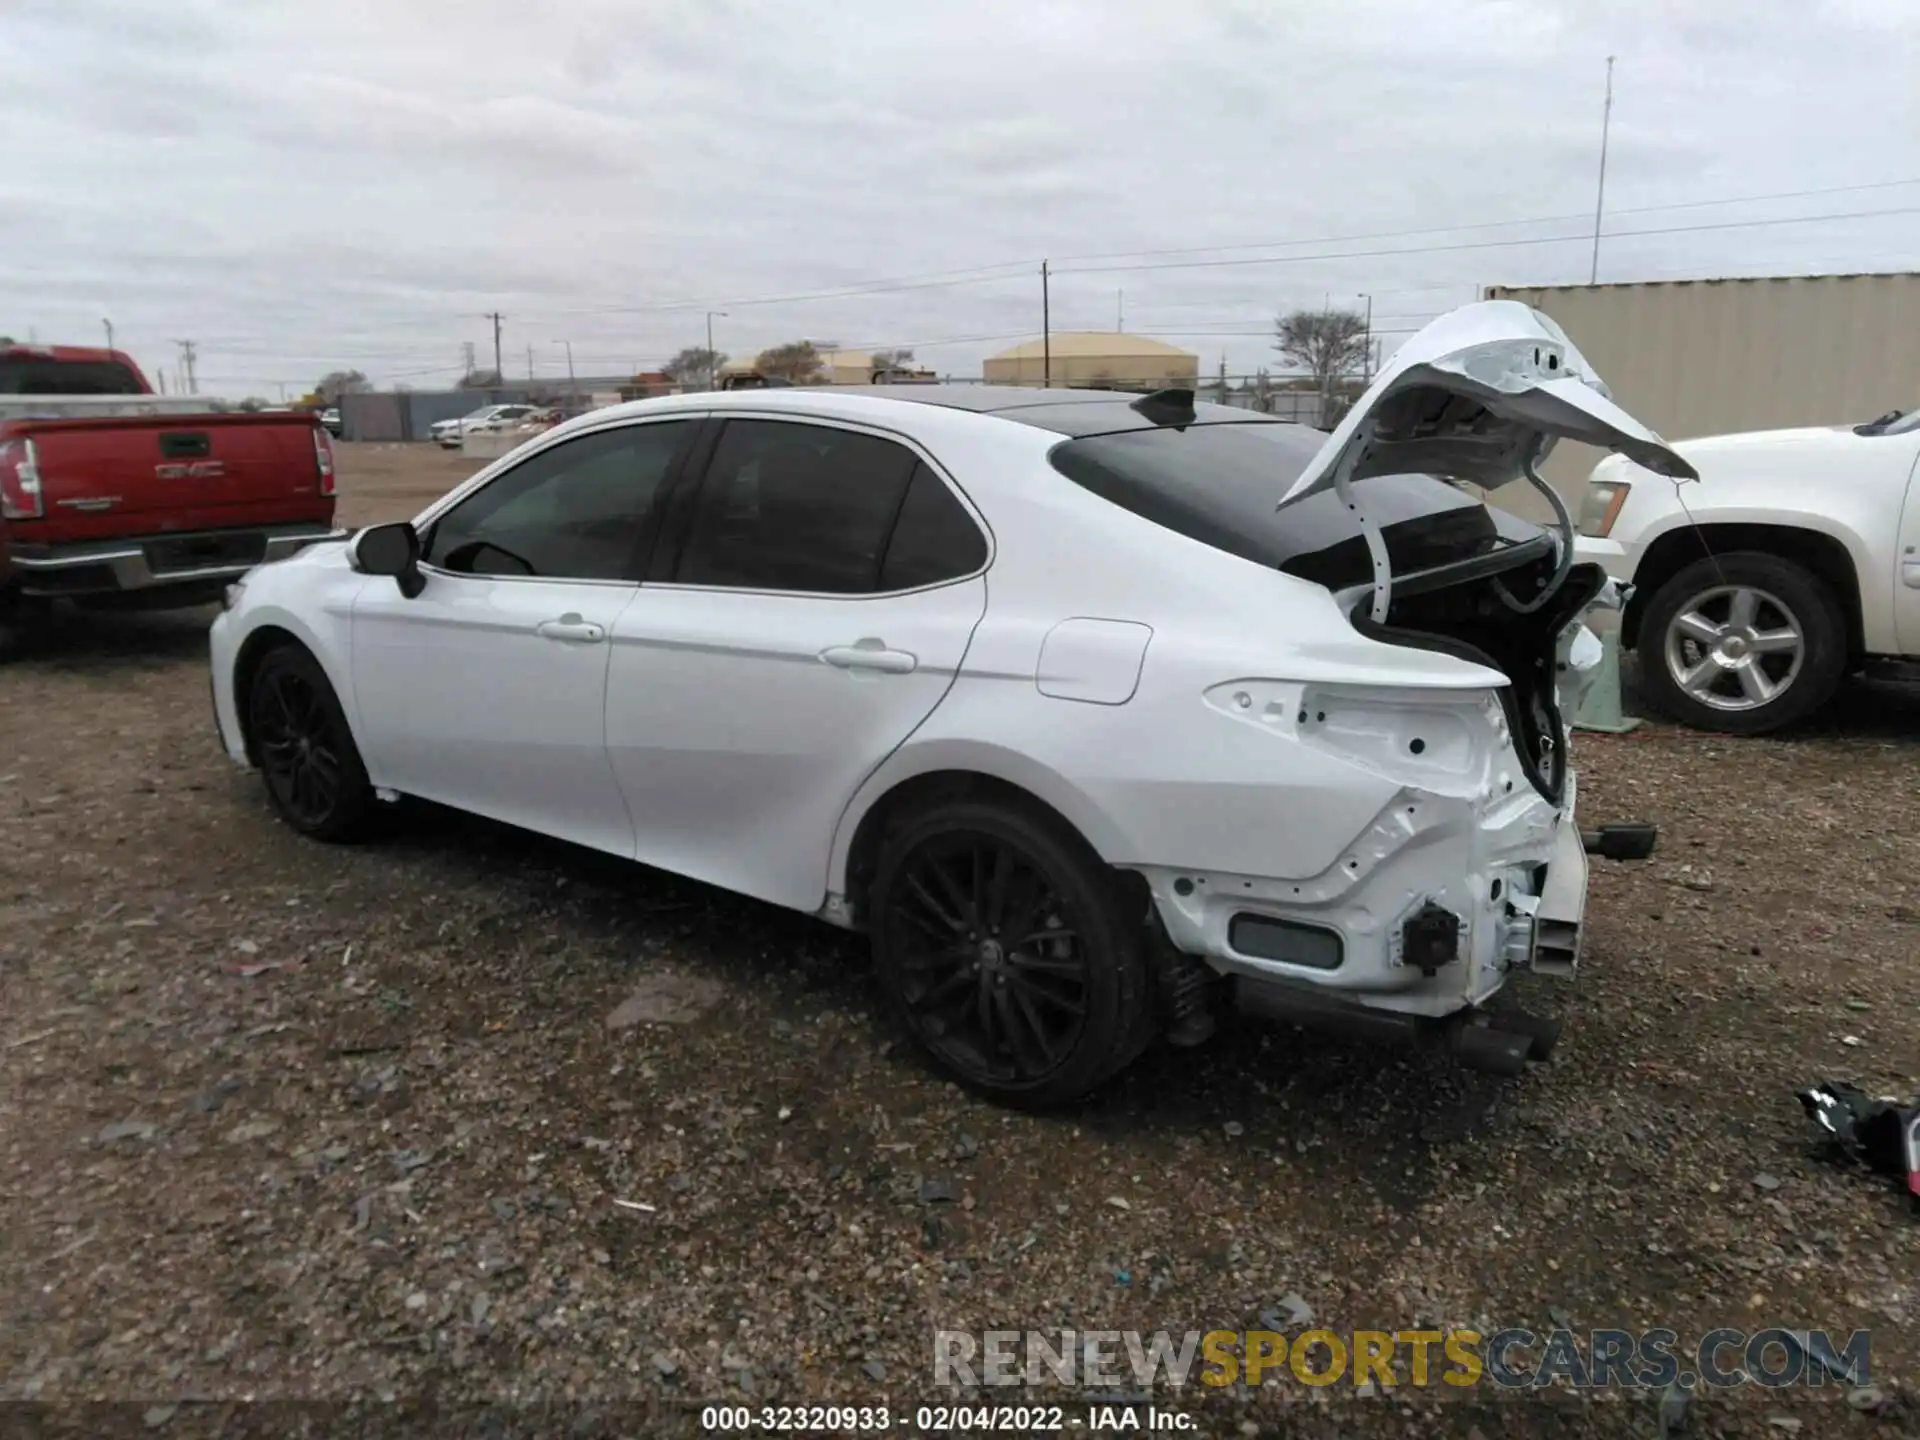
x,y
1793,562
330,418
449,433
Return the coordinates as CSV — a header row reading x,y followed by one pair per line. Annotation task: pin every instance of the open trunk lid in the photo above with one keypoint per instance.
x,y
1476,396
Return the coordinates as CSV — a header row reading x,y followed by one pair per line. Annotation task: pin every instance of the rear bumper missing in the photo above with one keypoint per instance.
x,y
192,560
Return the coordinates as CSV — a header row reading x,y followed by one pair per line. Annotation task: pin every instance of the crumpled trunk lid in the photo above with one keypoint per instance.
x,y
1472,397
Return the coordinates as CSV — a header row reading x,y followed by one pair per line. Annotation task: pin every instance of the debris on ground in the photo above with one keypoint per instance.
x,y
1875,1132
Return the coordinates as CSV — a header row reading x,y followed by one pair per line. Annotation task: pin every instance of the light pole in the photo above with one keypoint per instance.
x,y
711,366
572,392
109,325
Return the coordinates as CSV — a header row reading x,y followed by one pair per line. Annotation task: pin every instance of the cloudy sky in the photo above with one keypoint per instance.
x,y
303,187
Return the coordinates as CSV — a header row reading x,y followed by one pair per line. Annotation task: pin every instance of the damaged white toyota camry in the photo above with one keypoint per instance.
x,y
1098,714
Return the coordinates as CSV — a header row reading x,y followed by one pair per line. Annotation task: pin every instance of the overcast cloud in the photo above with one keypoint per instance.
x,y
302,187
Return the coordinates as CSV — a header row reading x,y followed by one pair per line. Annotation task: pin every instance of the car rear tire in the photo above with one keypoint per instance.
x,y
312,770
1742,643
1009,952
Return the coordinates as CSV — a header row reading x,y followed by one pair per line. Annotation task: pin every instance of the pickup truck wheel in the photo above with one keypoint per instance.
x,y
1008,950
312,769
1742,643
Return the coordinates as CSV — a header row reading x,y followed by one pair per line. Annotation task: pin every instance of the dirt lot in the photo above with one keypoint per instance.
x,y
290,1122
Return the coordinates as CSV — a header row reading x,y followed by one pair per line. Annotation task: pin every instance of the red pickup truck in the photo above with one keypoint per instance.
x,y
111,495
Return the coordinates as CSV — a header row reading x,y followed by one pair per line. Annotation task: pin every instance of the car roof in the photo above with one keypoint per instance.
x,y
1072,413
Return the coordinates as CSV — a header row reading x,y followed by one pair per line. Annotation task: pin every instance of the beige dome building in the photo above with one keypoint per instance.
x,y
1093,358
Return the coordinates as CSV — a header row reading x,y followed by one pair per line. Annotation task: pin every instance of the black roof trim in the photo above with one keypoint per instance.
x,y
1066,412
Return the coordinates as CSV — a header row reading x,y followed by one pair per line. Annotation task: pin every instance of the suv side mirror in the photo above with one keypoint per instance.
x,y
390,550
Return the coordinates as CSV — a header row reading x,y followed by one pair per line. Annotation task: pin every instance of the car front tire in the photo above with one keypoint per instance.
x,y
1009,951
314,777
1743,643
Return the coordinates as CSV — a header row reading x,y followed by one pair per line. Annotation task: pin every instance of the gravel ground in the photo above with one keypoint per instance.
x,y
284,1121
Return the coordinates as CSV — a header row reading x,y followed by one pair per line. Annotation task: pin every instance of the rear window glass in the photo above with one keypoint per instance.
x,y
30,375
1221,484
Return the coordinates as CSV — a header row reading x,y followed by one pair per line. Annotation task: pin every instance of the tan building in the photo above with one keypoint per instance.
x,y
1091,358
1704,357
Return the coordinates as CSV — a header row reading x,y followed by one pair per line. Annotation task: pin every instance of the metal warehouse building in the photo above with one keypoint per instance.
x,y
1704,357
1094,358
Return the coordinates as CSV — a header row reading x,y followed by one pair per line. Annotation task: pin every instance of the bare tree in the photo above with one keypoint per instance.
x,y
797,362
1328,344
887,363
695,365
480,380
336,383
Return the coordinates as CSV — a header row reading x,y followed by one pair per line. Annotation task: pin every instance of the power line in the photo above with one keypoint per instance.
x,y
1491,244
1501,224
878,287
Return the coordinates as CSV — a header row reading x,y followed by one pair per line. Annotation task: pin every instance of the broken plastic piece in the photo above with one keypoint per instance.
x,y
1876,1133
1630,840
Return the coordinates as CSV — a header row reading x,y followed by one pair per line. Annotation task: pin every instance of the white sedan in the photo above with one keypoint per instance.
x,y
449,433
1098,714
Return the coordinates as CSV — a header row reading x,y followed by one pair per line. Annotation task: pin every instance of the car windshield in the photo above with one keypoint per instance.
x,y
1220,484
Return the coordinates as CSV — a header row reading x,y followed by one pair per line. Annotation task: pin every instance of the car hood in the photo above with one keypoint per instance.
x,y
1472,397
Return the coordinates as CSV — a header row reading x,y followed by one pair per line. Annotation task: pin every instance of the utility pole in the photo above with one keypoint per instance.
x,y
467,356
573,392
711,353
186,366
1120,310
1600,198
281,383
1046,330
1366,361
496,317
109,325
529,363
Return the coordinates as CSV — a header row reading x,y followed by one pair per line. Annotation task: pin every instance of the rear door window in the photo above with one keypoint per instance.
x,y
787,505
35,375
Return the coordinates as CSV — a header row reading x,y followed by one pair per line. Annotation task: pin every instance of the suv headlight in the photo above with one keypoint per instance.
x,y
1601,507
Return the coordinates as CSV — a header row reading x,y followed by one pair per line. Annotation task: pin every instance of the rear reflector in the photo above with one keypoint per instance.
x,y
323,457
1265,938
20,496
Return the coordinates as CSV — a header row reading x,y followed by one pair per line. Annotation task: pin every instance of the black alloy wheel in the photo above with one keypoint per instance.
x,y
1004,950
307,757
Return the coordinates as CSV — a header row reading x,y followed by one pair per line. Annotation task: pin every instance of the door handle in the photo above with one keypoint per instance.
x,y
870,654
570,627
1910,574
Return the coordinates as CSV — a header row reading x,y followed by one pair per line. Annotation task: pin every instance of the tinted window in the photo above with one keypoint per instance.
x,y
934,539
796,507
30,375
1221,484
578,511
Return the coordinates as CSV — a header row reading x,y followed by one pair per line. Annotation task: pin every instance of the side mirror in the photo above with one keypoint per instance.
x,y
390,550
